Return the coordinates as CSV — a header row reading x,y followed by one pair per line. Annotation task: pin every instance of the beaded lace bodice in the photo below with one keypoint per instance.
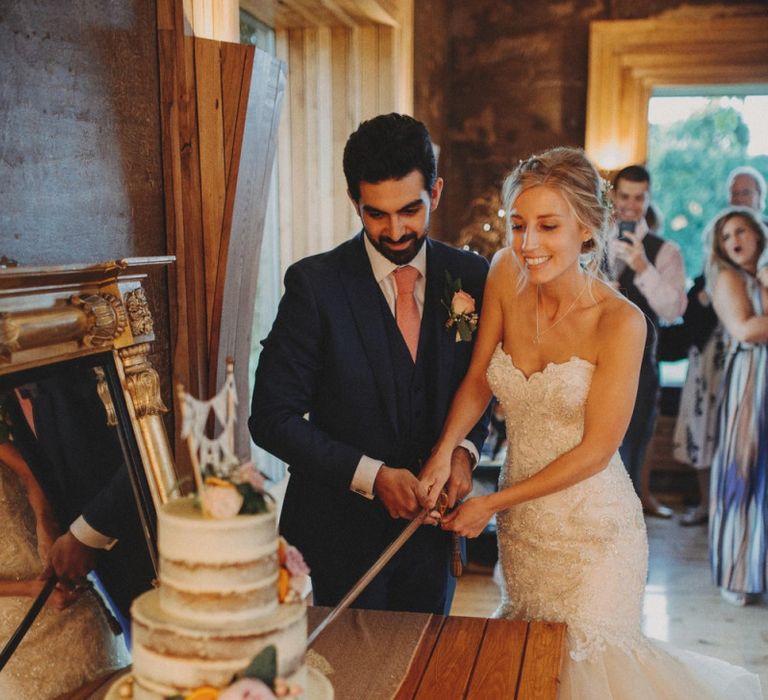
x,y
579,555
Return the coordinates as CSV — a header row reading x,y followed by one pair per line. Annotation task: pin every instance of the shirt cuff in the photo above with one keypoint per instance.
x,y
90,537
469,446
365,475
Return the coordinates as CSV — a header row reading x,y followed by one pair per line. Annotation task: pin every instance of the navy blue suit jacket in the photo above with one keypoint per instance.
x,y
327,356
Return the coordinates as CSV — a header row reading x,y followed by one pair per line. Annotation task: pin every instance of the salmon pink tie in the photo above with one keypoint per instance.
x,y
406,310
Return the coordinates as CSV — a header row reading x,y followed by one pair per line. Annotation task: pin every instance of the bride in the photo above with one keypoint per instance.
x,y
70,642
561,350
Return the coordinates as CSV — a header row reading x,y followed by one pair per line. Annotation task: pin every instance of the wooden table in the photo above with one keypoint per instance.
x,y
441,657
381,655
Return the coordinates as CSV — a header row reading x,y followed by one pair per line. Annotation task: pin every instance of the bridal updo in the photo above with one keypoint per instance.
x,y
570,172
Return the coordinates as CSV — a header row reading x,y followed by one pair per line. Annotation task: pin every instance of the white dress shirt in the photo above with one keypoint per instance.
x,y
90,536
661,283
383,272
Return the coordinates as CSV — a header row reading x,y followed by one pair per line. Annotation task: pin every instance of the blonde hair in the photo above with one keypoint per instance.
x,y
570,172
717,257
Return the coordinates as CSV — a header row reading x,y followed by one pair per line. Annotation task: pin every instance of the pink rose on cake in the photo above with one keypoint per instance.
x,y
221,499
292,574
247,473
247,689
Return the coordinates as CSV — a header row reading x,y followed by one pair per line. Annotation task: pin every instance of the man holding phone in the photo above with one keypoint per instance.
x,y
649,271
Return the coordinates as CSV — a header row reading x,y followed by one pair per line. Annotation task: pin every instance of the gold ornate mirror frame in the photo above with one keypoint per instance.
x,y
52,314
628,59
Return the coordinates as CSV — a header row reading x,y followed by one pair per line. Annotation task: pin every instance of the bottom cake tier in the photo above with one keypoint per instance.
x,y
174,656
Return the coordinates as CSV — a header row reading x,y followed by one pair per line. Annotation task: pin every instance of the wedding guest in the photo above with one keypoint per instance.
x,y
562,350
649,271
700,338
739,497
747,188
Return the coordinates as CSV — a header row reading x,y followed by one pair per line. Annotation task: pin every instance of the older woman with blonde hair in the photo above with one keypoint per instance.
x,y
739,493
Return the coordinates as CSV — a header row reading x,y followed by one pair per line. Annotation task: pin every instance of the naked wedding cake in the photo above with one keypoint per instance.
x,y
217,605
229,603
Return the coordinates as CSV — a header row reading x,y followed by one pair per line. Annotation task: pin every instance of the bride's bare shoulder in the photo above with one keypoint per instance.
x,y
619,316
505,267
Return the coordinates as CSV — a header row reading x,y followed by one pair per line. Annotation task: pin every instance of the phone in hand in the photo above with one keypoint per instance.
x,y
625,226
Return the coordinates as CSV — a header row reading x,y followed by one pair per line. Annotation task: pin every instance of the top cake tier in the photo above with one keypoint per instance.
x,y
216,571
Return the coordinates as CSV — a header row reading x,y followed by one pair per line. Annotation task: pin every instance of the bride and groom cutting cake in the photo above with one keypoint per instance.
x,y
374,384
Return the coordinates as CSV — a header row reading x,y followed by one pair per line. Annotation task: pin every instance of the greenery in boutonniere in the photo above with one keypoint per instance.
x,y
461,309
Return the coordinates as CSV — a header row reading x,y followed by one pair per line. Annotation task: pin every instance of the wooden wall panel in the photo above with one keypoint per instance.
x,y
263,106
627,59
218,152
338,76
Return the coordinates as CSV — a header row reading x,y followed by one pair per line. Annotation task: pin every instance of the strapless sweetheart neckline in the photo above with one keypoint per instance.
x,y
549,366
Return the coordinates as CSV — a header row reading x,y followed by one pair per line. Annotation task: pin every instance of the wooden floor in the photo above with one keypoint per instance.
x,y
681,604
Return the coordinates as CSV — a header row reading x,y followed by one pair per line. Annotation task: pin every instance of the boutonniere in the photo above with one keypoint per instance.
x,y
461,309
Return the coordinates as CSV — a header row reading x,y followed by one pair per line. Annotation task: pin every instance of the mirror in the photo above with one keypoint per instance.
x,y
81,441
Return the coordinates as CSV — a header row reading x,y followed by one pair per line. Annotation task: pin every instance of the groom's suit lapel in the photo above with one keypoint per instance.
x,y
365,299
433,322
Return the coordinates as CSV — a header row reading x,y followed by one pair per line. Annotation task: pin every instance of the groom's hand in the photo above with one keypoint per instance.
x,y
459,483
399,491
70,559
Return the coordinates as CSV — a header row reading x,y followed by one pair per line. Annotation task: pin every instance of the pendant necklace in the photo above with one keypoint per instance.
x,y
537,339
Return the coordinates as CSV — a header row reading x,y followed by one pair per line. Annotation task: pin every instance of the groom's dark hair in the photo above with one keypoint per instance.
x,y
388,147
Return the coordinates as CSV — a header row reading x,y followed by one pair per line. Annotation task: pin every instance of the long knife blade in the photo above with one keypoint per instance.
x,y
26,623
369,575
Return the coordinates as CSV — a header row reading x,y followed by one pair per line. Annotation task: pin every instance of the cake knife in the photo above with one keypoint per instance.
x,y
369,575
26,623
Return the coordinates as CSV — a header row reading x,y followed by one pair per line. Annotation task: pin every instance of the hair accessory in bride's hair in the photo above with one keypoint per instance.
x,y
606,194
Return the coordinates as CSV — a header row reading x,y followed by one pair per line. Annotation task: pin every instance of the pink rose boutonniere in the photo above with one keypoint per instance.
x,y
461,309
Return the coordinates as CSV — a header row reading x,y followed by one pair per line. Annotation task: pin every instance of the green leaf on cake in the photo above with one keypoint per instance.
x,y
263,666
253,501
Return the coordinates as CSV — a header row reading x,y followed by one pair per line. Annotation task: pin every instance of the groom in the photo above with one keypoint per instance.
x,y
357,375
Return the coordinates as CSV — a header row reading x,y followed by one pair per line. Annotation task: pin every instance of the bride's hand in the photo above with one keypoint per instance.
x,y
433,476
470,518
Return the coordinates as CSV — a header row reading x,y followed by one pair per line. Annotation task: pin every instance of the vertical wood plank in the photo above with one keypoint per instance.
x,y
543,661
299,95
499,663
451,663
196,326
386,60
262,97
324,174
369,72
311,119
285,160
343,126
235,100
232,78
212,177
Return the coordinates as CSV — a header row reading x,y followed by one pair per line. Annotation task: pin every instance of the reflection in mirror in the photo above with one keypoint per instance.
x,y
70,481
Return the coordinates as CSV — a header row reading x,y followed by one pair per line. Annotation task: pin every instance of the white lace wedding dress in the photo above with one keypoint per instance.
x,y
63,650
580,555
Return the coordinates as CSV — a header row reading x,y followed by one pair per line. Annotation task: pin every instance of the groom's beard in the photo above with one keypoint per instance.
x,y
404,255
